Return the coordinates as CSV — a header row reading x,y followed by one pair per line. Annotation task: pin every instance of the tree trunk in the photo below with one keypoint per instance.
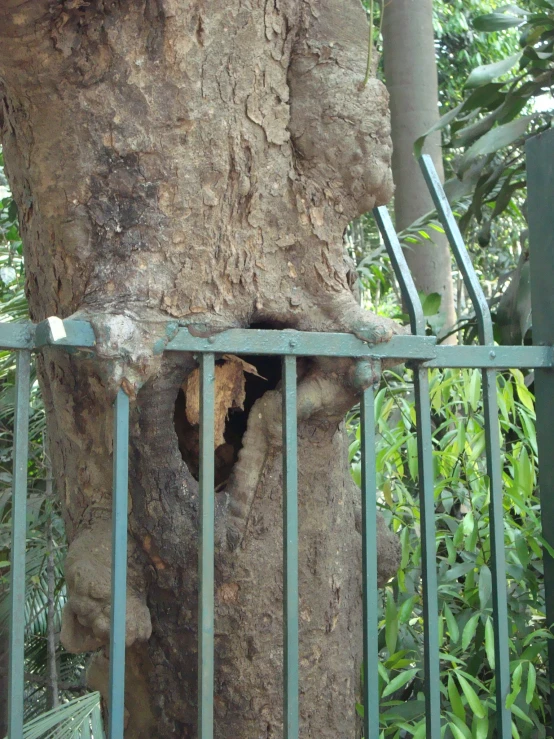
x,y
195,163
411,76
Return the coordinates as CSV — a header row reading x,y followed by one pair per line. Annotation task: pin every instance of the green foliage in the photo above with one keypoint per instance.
x,y
462,46
463,539
498,112
80,718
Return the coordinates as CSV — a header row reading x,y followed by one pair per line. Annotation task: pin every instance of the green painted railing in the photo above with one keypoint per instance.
x,y
423,353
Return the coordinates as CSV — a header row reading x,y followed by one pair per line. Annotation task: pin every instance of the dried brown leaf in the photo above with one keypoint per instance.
x,y
230,384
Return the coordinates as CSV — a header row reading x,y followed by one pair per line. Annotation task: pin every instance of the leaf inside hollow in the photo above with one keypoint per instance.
x,y
230,392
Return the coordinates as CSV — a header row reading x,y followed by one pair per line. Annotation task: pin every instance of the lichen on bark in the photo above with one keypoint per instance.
x,y
195,163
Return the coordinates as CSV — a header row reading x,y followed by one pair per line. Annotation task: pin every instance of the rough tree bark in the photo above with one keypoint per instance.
x,y
197,162
411,76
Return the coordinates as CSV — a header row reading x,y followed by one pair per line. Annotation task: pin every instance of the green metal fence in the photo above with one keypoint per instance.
x,y
418,349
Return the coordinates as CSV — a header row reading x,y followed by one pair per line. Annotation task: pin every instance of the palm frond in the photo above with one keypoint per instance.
x,y
80,718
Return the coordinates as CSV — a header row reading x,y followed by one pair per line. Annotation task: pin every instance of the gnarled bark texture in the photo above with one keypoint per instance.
x,y
197,161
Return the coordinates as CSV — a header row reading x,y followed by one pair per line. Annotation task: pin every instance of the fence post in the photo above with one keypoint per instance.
x,y
206,554
431,647
18,545
290,551
370,593
119,565
540,178
492,436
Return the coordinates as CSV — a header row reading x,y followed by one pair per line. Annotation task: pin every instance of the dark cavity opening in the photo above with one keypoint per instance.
x,y
226,454
270,325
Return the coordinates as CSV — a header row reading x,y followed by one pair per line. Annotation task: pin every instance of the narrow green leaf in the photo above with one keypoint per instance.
x,y
516,685
391,625
441,123
475,389
485,586
459,570
489,72
531,683
461,438
526,397
475,704
478,447
431,304
524,471
411,447
469,631
420,731
516,710
406,609
497,138
480,727
455,699
461,726
406,548
458,733
516,677
399,681
496,22
468,524
489,643
451,624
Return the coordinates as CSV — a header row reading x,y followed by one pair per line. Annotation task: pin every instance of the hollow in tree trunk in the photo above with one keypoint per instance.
x,y
195,163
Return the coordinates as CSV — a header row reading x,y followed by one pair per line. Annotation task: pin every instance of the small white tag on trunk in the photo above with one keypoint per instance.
x,y
57,329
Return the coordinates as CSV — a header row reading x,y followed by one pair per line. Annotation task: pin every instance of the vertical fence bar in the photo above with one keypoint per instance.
x,y
207,549
431,654
428,554
369,566
18,541
119,564
540,180
492,436
290,551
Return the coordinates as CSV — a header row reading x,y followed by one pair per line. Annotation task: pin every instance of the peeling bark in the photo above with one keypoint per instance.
x,y
197,162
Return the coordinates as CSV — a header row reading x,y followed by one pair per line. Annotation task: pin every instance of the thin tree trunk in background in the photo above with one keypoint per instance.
x,y
411,79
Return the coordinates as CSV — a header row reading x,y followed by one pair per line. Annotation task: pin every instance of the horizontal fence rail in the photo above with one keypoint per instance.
x,y
407,348
423,353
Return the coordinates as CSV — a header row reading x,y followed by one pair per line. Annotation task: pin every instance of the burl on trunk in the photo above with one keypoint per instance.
x,y
195,162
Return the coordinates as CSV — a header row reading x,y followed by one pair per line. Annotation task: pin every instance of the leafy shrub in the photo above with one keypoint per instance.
x,y
463,557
